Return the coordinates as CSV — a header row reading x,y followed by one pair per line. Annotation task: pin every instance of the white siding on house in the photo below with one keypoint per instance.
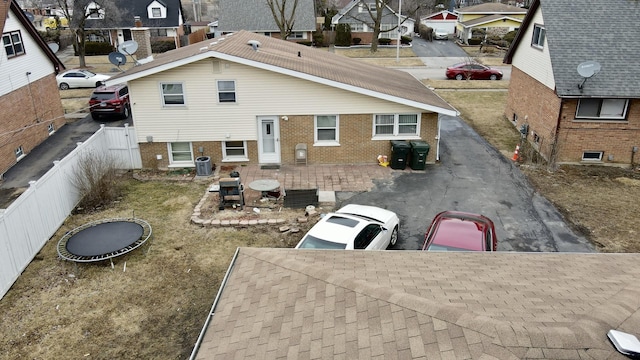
x,y
13,71
534,61
258,92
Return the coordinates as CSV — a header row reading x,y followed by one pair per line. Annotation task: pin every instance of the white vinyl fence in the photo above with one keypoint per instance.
x,y
30,221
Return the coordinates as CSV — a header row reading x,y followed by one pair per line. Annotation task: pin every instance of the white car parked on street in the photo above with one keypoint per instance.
x,y
353,227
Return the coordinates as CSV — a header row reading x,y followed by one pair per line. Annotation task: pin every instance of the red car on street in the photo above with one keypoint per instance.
x,y
472,71
460,231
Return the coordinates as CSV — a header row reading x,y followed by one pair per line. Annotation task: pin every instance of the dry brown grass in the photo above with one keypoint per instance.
x,y
383,52
154,309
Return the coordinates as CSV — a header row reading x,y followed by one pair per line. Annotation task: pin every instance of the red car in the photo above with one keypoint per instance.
x,y
110,101
460,231
472,71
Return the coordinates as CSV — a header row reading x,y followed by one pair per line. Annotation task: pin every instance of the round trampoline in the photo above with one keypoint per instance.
x,y
103,239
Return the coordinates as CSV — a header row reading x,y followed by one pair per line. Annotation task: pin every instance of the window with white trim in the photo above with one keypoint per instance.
x,y
327,130
537,40
180,153
19,152
51,128
12,42
226,91
357,27
158,32
390,125
234,151
172,94
156,12
602,109
592,155
297,35
385,30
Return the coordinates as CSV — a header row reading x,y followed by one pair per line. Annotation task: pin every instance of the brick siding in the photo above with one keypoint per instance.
x,y
540,108
30,108
356,146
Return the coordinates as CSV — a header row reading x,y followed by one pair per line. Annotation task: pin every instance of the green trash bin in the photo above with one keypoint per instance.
x,y
399,154
419,152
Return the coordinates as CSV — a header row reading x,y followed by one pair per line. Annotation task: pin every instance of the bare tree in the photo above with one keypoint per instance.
x,y
79,11
375,15
283,15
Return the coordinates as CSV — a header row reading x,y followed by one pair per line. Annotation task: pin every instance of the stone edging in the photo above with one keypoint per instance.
x,y
197,220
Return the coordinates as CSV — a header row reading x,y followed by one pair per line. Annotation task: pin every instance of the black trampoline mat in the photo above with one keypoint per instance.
x,y
104,238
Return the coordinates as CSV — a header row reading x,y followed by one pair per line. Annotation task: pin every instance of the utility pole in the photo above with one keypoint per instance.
x,y
399,32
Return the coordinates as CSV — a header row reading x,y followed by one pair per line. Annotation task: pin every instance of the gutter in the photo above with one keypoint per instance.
x,y
212,312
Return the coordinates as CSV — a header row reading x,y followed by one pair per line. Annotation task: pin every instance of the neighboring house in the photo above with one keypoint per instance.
x,y
256,16
441,20
495,18
356,14
163,19
328,304
29,97
246,99
568,118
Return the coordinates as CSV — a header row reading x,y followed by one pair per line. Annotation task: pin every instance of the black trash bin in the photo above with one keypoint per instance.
x,y
203,166
399,154
419,152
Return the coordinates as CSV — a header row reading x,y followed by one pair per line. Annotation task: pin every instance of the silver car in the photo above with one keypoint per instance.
x,y
441,34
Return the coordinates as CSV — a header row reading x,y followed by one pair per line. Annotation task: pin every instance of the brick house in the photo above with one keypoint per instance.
x,y
250,99
256,16
29,97
571,118
356,14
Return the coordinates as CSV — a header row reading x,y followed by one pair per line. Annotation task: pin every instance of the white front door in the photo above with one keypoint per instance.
x,y
268,140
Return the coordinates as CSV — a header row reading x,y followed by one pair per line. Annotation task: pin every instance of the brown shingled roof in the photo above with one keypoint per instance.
x,y
489,8
301,61
416,305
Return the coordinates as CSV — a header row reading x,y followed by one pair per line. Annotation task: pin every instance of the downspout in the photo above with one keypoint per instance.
x,y
126,134
438,141
196,347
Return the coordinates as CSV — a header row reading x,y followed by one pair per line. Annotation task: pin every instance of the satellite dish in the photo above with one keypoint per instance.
x,y
117,59
29,16
54,47
128,47
589,68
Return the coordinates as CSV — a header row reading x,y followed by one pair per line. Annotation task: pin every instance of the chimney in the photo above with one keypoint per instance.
x,y
142,36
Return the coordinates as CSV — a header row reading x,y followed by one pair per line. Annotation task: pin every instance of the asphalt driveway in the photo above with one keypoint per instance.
x,y
437,48
472,176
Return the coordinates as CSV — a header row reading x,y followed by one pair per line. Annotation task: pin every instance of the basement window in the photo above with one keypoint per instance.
x,y
19,153
592,155
51,129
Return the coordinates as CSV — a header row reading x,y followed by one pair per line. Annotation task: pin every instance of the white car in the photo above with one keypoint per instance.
x,y
80,78
440,34
358,227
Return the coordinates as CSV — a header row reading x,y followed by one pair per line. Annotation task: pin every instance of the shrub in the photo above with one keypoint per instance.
x,y
475,41
478,33
97,48
426,32
356,40
508,37
50,36
384,41
161,46
405,40
343,35
318,38
96,179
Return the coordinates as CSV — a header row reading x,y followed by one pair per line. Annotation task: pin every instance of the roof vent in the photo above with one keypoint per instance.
x,y
204,48
254,43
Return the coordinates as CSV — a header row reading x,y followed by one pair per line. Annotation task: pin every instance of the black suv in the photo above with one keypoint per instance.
x,y
110,101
